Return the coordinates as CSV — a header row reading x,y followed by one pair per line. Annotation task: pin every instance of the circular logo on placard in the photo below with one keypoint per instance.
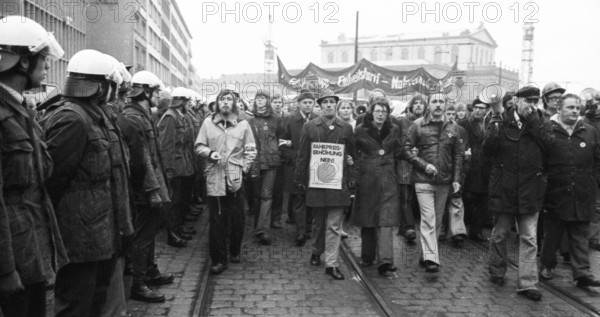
x,y
326,172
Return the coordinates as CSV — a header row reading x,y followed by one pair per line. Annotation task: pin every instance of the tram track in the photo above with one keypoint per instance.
x,y
555,290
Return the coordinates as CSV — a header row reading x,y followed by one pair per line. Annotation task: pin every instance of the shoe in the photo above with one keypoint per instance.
x,y
218,268
300,241
498,280
546,273
457,240
276,225
532,294
315,260
386,268
160,279
595,245
422,262
335,273
431,267
235,258
264,238
144,293
566,257
175,241
365,263
479,237
410,235
187,230
586,281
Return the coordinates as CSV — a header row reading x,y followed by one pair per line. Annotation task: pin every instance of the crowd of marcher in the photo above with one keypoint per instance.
x,y
90,177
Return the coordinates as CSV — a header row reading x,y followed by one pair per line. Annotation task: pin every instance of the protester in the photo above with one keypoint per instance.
x,y
328,204
573,167
517,185
345,111
437,141
230,149
375,209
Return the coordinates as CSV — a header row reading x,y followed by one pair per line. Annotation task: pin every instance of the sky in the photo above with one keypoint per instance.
x,y
228,36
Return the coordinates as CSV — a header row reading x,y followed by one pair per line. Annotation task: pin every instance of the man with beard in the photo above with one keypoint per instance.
x,y
415,110
476,182
328,204
228,146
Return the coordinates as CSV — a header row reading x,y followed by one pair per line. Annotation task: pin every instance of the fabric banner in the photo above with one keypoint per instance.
x,y
366,75
326,165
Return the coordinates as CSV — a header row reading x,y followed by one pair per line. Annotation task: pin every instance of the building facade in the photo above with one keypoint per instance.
x,y
146,34
472,50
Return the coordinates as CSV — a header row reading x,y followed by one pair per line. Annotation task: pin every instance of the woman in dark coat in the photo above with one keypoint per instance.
x,y
379,145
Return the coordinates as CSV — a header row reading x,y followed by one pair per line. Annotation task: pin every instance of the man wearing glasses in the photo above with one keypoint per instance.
x,y
437,139
550,96
517,185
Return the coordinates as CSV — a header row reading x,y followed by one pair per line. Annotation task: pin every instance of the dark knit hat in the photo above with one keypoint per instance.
x,y
305,94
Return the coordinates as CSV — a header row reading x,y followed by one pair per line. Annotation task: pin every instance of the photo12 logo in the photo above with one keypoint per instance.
x,y
454,12
254,12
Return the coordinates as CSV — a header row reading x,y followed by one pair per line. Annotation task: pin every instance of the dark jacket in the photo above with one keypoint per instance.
x,y
339,132
517,182
573,169
267,129
147,174
30,240
403,168
443,149
177,159
478,174
292,129
79,143
377,201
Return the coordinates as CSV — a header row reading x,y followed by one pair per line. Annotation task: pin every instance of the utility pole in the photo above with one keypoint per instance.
x,y
355,51
500,74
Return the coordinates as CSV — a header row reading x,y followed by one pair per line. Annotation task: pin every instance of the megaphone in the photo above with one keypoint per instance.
x,y
492,94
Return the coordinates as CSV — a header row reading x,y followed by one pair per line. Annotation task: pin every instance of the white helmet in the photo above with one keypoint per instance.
x,y
181,93
86,70
142,81
21,36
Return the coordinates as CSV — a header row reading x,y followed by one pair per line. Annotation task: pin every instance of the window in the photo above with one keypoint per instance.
x,y
140,26
454,53
330,58
344,57
404,53
421,53
373,55
389,54
140,57
437,55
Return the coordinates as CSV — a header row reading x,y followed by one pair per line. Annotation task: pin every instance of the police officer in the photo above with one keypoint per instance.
x,y
149,184
177,162
30,244
79,136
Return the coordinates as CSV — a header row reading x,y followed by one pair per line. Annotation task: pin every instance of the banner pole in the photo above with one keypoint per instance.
x,y
355,52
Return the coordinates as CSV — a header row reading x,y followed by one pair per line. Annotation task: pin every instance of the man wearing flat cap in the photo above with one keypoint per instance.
x,y
517,185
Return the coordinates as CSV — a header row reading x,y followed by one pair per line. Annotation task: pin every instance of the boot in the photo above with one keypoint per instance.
x,y
175,241
141,292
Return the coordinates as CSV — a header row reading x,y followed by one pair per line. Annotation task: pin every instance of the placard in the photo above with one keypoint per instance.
x,y
326,165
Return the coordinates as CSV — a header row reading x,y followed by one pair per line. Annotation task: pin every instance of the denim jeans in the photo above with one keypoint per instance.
x,y
527,226
432,202
267,182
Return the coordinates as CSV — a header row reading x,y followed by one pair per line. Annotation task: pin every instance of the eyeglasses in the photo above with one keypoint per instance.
x,y
380,112
479,108
552,99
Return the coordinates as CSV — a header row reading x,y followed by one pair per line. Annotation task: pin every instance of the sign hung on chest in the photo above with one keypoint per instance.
x,y
326,165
